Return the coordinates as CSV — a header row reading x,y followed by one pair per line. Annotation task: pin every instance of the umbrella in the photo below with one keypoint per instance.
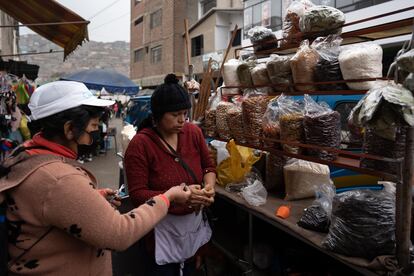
x,y
112,81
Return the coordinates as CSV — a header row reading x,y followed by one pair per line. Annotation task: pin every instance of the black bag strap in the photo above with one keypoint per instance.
x,y
177,156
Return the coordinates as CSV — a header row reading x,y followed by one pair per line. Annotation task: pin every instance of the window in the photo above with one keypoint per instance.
x,y
138,55
139,20
197,46
136,2
237,38
156,19
207,5
156,54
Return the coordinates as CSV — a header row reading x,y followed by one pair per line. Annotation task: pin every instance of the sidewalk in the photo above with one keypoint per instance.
x,y
105,167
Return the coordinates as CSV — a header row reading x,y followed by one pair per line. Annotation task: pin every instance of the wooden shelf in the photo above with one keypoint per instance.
x,y
351,162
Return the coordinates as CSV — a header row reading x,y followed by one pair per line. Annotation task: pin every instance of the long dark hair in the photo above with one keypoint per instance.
x,y
53,126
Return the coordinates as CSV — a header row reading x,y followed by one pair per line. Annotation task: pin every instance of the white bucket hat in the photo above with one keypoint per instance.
x,y
58,96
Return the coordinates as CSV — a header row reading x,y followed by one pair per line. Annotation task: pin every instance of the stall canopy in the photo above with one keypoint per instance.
x,y
112,81
51,20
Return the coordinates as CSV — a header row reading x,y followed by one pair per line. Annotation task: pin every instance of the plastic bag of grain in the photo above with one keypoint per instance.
x,y
253,109
303,65
243,72
230,77
222,126
291,123
322,127
327,68
303,178
291,29
260,77
235,123
322,19
278,69
361,61
271,126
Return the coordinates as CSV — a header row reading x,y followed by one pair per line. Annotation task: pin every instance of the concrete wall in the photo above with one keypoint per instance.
x,y
8,36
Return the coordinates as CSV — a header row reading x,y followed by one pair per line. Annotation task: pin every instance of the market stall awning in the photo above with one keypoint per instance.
x,y
51,20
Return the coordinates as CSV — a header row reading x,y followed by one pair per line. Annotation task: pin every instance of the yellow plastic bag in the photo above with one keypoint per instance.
x,y
234,168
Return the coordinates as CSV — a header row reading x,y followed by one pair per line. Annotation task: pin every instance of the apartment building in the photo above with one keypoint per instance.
x,y
157,45
210,34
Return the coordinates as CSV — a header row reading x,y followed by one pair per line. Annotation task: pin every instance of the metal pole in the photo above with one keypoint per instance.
x,y
403,204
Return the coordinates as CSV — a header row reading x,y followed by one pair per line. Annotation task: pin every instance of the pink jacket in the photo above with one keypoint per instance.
x,y
53,191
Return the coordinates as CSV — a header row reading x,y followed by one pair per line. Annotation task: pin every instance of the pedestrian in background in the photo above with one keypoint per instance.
x,y
60,224
165,152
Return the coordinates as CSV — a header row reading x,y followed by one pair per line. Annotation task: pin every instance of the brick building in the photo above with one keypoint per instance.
x,y
157,46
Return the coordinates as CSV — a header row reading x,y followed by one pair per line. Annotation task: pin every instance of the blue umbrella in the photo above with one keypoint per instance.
x,y
111,80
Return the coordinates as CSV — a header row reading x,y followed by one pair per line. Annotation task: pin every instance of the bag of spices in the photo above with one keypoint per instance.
x,y
278,69
303,65
291,123
243,72
271,126
222,126
253,109
322,19
322,128
327,68
291,28
274,173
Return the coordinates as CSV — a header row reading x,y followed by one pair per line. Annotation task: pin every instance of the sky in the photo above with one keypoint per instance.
x,y
109,25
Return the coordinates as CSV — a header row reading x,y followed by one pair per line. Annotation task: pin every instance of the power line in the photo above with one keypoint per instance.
x,y
109,21
29,54
107,7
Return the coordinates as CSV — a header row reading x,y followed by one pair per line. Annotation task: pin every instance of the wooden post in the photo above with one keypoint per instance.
x,y
403,204
187,45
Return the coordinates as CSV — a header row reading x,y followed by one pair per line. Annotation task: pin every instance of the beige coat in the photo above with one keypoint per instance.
x,y
51,191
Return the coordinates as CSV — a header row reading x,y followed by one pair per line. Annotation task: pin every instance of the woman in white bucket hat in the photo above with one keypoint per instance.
x,y
59,224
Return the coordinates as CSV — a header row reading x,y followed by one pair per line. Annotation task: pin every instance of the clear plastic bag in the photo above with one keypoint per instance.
x,y
255,194
271,126
278,68
406,61
261,77
302,178
363,224
361,61
317,217
262,36
327,67
291,28
303,65
243,72
235,123
291,122
322,19
253,109
210,116
322,127
222,126
230,77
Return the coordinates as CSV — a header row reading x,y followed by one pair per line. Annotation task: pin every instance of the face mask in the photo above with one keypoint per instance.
x,y
90,138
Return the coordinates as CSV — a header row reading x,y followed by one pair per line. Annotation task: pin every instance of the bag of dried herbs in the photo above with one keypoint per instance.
x,y
262,38
323,19
278,68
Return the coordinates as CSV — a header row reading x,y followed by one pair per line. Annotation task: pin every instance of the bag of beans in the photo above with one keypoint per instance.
x,y
291,28
253,109
291,123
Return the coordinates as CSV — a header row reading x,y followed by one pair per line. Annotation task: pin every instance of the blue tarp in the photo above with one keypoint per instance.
x,y
111,80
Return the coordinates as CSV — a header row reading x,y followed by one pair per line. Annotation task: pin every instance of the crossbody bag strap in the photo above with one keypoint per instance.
x,y
180,160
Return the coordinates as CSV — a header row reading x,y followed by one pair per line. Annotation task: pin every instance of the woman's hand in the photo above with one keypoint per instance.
x,y
199,197
178,194
111,196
